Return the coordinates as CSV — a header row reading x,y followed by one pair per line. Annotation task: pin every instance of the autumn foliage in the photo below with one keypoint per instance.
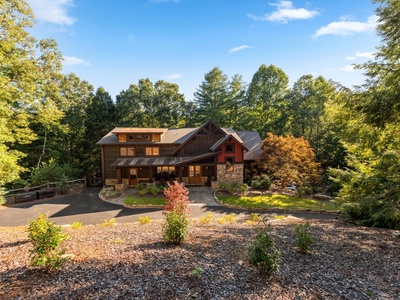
x,y
290,160
176,197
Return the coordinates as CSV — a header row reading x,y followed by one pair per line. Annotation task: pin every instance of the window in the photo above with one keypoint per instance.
x,y
130,137
121,137
151,151
147,137
230,148
139,137
155,137
125,151
165,172
229,164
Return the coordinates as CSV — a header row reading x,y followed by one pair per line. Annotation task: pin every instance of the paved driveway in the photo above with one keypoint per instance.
x,y
88,208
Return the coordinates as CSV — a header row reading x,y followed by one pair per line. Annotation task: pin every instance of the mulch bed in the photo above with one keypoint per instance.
x,y
130,261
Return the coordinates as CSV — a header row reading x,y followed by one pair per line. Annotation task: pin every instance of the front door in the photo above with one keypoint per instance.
x,y
195,174
133,174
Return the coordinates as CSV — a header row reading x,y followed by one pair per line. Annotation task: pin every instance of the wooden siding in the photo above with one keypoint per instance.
x,y
199,144
237,155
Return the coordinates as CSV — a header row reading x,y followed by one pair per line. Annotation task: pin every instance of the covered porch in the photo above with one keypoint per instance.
x,y
199,170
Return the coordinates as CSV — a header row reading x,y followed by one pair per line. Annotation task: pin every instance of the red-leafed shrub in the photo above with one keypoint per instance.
x,y
177,213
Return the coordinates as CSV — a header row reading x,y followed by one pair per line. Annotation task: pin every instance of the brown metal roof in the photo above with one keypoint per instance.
x,y
138,130
253,142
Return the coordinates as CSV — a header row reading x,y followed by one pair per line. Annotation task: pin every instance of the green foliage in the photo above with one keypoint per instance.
x,y
153,189
2,194
46,239
177,212
148,200
261,182
144,220
254,218
262,252
197,272
117,241
175,228
140,187
76,225
231,219
51,172
304,239
207,219
243,188
108,223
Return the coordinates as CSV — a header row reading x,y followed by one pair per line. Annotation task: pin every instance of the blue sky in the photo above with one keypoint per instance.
x,y
114,43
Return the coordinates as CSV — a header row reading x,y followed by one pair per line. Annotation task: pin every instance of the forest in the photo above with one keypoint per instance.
x,y
50,121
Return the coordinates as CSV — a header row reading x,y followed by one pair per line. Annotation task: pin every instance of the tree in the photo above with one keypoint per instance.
x,y
17,85
370,186
288,159
265,101
212,98
100,119
148,105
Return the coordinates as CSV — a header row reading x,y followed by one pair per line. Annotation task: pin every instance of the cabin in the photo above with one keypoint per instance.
x,y
206,155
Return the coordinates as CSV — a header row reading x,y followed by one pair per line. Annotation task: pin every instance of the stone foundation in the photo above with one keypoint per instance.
x,y
110,182
223,176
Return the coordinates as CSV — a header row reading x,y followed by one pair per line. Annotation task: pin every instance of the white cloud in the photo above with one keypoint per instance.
x,y
52,11
72,60
285,12
236,49
347,27
348,68
174,76
350,58
365,54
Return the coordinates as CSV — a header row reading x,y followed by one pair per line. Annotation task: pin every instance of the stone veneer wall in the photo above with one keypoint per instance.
x,y
109,182
223,176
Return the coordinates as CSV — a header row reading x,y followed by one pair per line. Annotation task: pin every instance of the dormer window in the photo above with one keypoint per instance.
x,y
139,137
147,137
156,137
121,137
130,138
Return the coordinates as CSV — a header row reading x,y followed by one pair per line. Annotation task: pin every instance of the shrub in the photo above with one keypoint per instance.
x,y
76,225
177,212
261,182
175,228
46,239
117,241
143,192
262,252
223,186
140,187
254,217
51,172
108,223
232,187
197,272
303,237
243,188
153,189
207,219
144,220
231,219
2,194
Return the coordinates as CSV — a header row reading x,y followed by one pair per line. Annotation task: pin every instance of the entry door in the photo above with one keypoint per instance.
x,y
133,174
195,174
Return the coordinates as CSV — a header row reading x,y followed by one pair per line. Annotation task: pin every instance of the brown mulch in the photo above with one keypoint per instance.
x,y
130,261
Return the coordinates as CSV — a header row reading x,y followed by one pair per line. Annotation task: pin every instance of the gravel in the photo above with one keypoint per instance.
x,y
130,261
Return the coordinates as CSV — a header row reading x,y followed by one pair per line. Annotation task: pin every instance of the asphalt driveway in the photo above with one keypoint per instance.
x,y
88,208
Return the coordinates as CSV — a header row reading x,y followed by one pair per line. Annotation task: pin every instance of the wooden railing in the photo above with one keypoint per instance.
x,y
45,186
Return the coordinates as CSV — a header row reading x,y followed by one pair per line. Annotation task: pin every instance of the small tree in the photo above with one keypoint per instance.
x,y
304,239
177,213
46,239
289,159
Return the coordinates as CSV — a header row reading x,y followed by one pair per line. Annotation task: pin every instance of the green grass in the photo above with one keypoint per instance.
x,y
277,201
148,200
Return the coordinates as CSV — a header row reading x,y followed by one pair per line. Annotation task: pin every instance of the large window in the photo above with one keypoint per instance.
x,y
125,151
155,137
152,151
165,172
230,163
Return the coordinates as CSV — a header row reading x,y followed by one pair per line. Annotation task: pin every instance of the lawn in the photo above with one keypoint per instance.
x,y
144,200
277,201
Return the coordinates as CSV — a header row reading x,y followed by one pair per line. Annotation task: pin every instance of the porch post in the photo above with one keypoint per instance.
x,y
119,175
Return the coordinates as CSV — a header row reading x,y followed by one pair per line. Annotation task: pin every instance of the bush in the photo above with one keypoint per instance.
x,y
177,213
303,237
207,219
243,188
46,239
223,186
232,187
140,187
144,220
261,182
143,192
76,225
153,189
108,223
2,194
175,228
51,172
262,252
254,217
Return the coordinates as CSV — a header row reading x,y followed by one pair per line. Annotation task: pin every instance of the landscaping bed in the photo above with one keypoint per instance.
x,y
130,261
